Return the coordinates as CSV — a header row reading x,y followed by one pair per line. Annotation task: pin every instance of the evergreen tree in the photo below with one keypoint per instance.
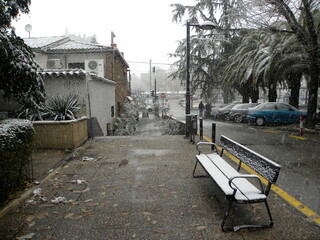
x,y
209,50
19,78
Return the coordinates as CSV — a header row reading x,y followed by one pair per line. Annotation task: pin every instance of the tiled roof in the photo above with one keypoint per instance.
x,y
74,45
73,72
43,42
64,72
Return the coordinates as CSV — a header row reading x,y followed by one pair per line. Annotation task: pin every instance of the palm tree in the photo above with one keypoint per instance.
x,y
266,59
239,71
303,19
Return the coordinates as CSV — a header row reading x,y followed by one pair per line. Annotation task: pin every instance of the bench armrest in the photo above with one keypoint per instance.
x,y
206,143
245,176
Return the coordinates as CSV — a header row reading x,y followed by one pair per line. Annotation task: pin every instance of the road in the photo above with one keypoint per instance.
x,y
299,157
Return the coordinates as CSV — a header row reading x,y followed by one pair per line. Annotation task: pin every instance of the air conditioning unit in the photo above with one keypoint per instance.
x,y
54,64
95,66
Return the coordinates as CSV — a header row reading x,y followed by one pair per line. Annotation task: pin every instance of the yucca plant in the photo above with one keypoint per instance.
x,y
63,108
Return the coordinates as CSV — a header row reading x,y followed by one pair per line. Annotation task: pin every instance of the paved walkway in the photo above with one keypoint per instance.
x,y
138,187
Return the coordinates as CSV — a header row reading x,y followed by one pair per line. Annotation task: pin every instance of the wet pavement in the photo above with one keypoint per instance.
x,y
136,187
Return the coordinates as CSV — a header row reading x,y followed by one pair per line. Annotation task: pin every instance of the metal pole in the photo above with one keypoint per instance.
x,y
213,136
150,75
188,79
201,128
155,84
155,89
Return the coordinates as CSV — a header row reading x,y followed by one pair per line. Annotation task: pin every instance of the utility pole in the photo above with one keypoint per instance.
x,y
150,75
155,84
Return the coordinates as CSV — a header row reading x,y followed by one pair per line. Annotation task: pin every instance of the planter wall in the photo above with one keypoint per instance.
x,y
60,134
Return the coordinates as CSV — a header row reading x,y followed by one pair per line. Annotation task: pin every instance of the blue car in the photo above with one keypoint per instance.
x,y
274,112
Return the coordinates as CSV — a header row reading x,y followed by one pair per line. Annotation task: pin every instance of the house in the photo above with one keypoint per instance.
x,y
95,95
105,61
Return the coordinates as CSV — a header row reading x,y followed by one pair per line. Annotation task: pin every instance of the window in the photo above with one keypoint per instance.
x,y
282,107
270,106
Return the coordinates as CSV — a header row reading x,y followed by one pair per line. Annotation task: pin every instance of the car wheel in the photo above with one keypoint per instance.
x,y
238,118
260,121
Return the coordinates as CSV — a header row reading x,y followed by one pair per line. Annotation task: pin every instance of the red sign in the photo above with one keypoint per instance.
x,y
162,95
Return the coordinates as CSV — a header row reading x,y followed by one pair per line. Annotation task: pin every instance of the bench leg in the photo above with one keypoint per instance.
x,y
225,218
194,170
270,217
236,228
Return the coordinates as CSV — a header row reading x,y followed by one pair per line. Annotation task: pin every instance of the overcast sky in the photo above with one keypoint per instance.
x,y
143,28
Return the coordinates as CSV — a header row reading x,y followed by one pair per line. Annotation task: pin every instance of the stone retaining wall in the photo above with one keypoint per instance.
x,y
60,134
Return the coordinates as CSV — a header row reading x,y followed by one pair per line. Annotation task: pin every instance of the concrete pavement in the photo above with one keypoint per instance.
x,y
137,187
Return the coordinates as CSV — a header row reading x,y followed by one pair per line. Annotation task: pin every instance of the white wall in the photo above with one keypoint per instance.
x,y
63,86
102,98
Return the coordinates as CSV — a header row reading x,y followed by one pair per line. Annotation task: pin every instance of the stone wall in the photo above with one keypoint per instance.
x,y
60,134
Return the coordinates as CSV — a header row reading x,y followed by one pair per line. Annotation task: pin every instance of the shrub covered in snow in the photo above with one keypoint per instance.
x,y
16,138
171,127
127,123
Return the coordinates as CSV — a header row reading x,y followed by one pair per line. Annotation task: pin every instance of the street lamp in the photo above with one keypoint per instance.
x,y
207,25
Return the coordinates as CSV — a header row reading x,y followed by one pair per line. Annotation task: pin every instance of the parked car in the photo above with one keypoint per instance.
x,y
239,112
274,112
224,111
214,110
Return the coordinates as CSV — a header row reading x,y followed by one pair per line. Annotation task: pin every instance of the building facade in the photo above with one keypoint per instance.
x,y
57,53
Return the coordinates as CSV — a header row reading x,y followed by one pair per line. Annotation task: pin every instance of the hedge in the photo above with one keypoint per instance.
x,y
16,138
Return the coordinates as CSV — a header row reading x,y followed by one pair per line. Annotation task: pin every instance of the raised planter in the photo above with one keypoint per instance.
x,y
60,134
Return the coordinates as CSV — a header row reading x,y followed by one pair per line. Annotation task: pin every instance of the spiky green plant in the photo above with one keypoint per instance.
x,y
63,108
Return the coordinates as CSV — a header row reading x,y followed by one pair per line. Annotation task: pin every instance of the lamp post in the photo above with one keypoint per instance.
x,y
207,25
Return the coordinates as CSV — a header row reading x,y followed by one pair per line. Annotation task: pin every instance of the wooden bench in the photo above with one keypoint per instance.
x,y
236,186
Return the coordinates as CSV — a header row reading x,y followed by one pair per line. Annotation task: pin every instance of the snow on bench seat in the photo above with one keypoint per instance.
x,y
221,172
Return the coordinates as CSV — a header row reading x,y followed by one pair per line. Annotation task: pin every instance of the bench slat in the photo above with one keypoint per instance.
x,y
215,173
248,190
262,165
221,172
